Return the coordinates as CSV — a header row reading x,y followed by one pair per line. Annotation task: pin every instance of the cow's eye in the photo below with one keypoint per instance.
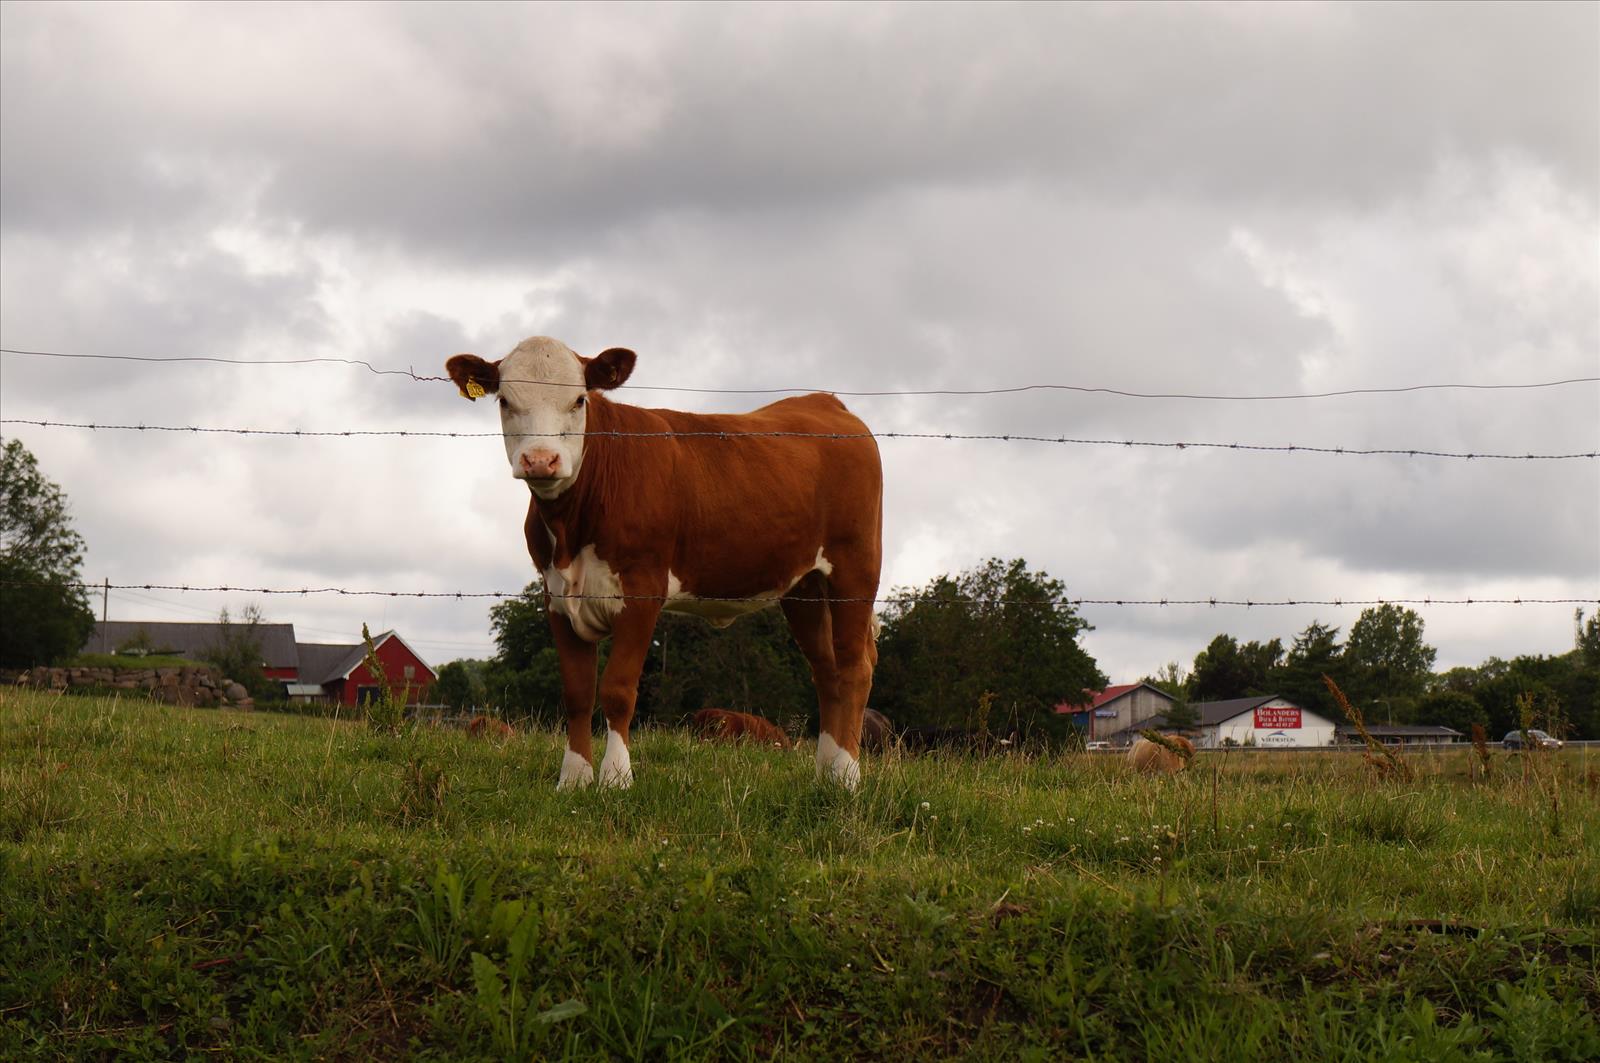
x,y
579,404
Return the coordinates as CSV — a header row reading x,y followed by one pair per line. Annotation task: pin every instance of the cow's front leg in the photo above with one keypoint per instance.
x,y
577,659
619,686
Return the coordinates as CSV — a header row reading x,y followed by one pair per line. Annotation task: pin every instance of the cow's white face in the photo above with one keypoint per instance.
x,y
543,412
542,388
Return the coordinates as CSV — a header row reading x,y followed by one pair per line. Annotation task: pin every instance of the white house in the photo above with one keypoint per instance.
x,y
1262,721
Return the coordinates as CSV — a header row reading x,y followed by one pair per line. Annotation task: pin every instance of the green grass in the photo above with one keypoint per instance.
x,y
183,881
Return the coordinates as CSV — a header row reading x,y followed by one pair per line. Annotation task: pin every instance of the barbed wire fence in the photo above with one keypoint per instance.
x,y
357,433
894,600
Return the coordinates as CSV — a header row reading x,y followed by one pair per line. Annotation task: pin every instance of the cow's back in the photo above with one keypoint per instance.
x,y
798,474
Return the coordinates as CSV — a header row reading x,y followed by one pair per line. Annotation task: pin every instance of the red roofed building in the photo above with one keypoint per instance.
x,y
1116,713
340,672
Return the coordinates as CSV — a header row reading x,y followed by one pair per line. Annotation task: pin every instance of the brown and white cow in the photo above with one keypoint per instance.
x,y
627,519
726,725
1147,756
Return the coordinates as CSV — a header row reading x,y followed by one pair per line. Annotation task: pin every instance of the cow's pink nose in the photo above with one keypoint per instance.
x,y
540,464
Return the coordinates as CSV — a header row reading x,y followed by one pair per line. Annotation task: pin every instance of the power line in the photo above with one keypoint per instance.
x,y
1009,437
903,599
884,393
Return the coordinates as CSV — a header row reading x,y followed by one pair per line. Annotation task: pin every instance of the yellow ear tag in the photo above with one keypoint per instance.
x,y
473,390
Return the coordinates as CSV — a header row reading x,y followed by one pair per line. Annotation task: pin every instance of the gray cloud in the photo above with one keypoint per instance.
x,y
513,134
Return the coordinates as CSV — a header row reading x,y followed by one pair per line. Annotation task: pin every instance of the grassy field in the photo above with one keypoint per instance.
x,y
185,881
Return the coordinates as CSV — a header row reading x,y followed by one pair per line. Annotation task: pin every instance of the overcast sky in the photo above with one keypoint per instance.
x,y
1250,199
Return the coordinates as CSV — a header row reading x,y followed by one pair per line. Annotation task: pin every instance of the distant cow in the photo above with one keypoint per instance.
x,y
633,511
738,726
481,726
877,733
1147,756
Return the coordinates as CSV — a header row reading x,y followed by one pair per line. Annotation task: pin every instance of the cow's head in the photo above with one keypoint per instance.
x,y
543,390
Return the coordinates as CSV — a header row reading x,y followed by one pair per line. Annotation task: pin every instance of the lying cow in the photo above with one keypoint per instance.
x,y
482,726
738,726
877,733
638,510
1147,756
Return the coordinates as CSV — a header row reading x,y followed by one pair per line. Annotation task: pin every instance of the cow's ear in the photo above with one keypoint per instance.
x,y
473,376
608,369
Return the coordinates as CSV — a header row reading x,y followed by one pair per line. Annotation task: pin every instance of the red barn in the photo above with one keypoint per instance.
x,y
340,672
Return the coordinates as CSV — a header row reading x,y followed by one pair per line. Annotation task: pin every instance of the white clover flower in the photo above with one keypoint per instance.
x,y
924,806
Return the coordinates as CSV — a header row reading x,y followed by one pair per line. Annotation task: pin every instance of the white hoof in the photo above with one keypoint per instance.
x,y
576,772
835,764
616,769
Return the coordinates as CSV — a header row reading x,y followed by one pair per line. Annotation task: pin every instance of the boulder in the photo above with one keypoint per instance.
x,y
236,692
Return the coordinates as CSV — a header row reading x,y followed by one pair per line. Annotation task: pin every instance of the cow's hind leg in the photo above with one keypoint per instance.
x,y
855,653
806,609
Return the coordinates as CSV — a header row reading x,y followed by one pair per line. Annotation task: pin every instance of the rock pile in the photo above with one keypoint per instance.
x,y
192,685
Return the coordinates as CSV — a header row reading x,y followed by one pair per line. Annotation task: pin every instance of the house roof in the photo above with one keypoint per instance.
x,y
320,662
194,639
1408,730
1100,698
1215,712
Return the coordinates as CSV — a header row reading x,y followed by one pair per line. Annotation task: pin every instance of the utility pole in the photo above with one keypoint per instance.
x,y
105,615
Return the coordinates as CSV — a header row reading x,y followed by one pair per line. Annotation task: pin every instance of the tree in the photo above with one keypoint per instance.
x,y
524,678
1387,660
1452,708
1315,653
998,630
1586,639
47,614
1172,681
1225,669
461,685
236,653
1170,678
754,665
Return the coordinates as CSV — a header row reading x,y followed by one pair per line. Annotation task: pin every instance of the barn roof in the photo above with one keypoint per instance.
x,y
320,662
194,639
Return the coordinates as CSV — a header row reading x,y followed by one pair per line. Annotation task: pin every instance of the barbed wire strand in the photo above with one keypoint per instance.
x,y
883,393
1009,437
899,599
